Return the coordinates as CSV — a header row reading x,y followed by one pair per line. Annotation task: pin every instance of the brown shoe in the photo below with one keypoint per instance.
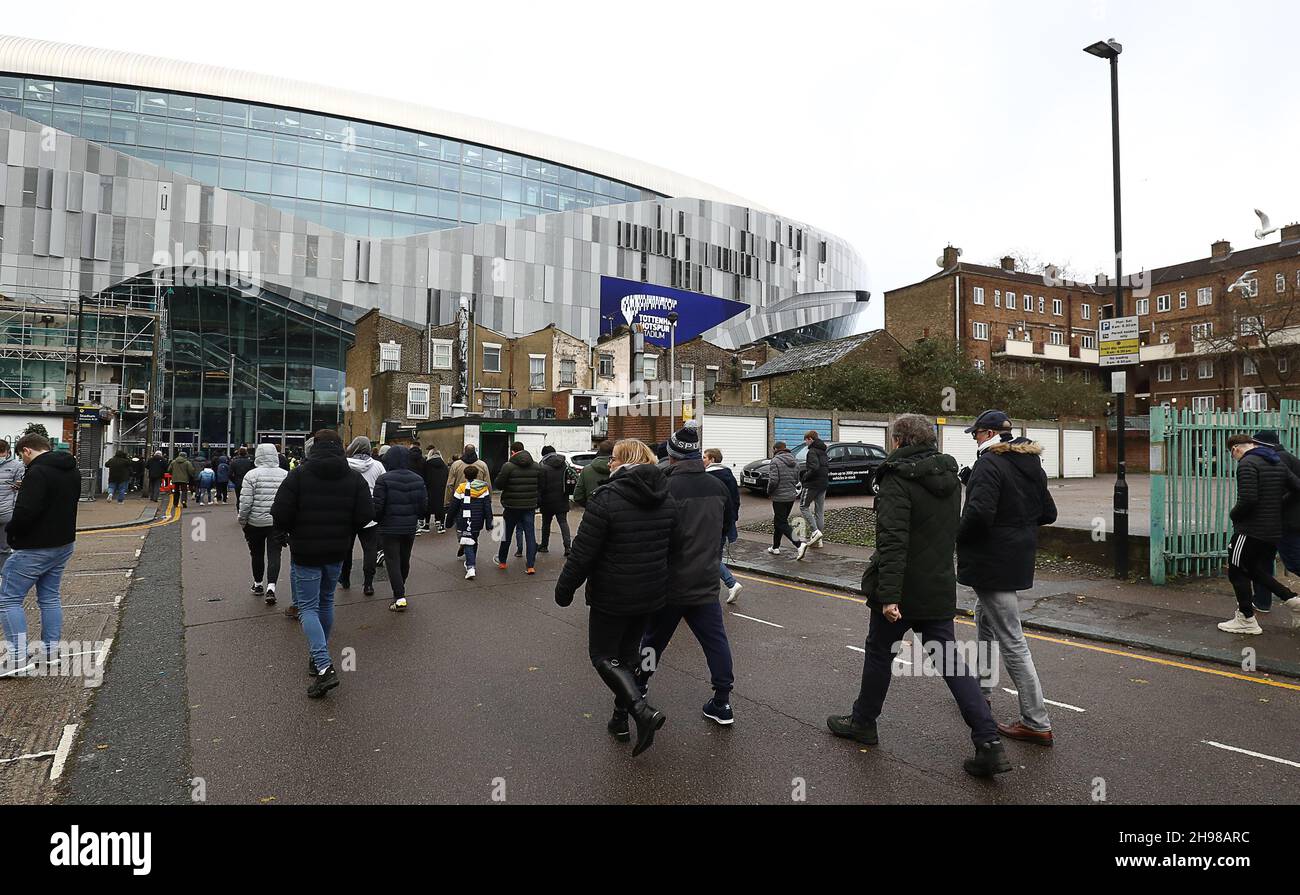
x,y
1019,731
291,612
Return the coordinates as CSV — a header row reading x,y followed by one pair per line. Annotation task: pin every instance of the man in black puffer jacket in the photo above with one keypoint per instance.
x,y
909,583
1288,548
997,547
622,553
519,485
400,502
1263,486
704,515
435,482
321,505
554,498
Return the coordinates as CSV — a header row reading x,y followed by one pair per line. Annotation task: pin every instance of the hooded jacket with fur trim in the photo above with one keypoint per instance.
x,y
1006,501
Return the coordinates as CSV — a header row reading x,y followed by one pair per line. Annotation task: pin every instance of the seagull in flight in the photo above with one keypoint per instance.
x,y
1264,229
1240,285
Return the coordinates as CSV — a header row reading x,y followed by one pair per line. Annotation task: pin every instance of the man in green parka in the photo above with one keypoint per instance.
x,y
910,584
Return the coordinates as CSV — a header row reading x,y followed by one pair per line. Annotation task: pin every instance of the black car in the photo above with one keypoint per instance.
x,y
853,465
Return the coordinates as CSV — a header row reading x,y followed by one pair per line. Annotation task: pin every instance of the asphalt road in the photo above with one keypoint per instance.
x,y
487,683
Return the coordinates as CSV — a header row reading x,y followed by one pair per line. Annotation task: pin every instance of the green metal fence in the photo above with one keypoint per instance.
x,y
1194,485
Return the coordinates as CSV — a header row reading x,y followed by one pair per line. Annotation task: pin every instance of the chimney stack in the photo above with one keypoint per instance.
x,y
1220,249
1291,233
1102,281
1008,263
950,256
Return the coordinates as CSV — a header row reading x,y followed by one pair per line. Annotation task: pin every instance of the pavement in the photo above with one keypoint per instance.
x,y
105,513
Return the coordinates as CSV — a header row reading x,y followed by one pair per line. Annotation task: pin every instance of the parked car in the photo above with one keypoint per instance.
x,y
853,464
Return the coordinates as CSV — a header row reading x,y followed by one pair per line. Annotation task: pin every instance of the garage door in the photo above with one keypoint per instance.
x,y
869,434
742,439
791,429
1076,459
959,445
1049,439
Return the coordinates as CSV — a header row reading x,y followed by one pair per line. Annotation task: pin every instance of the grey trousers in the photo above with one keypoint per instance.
x,y
812,505
997,619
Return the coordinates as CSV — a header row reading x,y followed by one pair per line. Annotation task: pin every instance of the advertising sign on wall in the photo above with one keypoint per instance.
x,y
628,302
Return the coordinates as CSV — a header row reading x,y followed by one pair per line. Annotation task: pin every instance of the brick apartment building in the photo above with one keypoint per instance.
x,y
392,378
699,361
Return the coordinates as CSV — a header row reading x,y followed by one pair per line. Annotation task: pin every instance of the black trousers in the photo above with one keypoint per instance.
x,y
1250,562
616,637
397,560
563,519
781,523
706,624
369,538
264,544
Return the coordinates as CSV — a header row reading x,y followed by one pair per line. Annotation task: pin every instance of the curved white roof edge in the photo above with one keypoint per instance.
x,y
29,56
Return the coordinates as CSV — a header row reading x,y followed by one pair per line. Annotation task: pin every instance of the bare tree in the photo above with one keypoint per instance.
x,y
1028,262
1257,329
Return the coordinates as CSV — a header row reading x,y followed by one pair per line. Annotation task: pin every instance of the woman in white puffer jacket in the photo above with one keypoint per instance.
x,y
256,495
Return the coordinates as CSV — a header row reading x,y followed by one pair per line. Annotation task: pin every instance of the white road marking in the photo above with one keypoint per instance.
x,y
80,605
26,757
856,649
1063,705
103,652
1294,764
759,620
117,601
61,754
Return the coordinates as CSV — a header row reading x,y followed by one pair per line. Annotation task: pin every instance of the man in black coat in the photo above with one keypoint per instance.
x,y
554,498
435,482
157,468
997,547
321,505
1263,486
401,501
704,512
42,533
816,478
519,485
1289,545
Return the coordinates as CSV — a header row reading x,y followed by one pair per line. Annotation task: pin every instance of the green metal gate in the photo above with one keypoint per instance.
x,y
1194,484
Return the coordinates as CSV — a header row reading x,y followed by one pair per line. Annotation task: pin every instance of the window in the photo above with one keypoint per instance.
x,y
979,364
1011,301
753,392
1279,283
537,372
1057,306
1251,289
568,372
390,356
1254,402
1059,373
1164,338
980,331
1202,330
365,400
1042,305
1205,369
417,401
1182,372
1057,337
1204,296
997,295
688,378
444,401
1162,303
1248,367
491,358
650,366
1087,376
1203,404
1250,326
491,401
1086,311
440,352
1283,364
1165,373
1143,306
1088,340
710,380
606,368
979,295
1182,301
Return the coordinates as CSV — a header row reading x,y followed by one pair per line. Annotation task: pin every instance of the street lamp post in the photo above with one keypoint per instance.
x,y
1110,50
672,363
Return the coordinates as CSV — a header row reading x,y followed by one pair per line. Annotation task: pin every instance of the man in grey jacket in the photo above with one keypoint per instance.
x,y
11,477
256,496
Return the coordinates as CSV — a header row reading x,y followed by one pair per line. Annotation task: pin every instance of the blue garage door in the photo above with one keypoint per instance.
x,y
791,429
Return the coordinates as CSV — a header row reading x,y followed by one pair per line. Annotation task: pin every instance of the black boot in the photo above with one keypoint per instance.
x,y
990,758
624,686
617,725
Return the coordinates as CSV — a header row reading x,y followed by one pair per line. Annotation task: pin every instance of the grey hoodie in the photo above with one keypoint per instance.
x,y
259,487
11,475
370,469
783,477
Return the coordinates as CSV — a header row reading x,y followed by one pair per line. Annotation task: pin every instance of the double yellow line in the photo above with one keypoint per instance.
x,y
172,515
1170,663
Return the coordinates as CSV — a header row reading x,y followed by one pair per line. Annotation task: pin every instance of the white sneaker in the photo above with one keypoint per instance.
x,y
733,592
803,549
1239,624
470,574
775,551
815,539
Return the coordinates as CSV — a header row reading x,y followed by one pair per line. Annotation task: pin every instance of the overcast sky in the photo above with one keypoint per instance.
x,y
901,127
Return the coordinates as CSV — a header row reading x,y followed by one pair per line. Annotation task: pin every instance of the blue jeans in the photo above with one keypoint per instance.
x,y
725,573
516,520
313,594
25,569
471,554
1289,548
117,491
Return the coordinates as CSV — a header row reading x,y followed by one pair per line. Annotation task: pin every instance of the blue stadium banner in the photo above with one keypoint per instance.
x,y
627,302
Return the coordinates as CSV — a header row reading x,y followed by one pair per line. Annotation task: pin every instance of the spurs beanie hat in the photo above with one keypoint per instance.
x,y
685,444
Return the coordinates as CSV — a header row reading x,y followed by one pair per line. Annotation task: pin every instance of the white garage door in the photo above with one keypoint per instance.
x,y
1077,459
870,434
1049,439
959,445
742,439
